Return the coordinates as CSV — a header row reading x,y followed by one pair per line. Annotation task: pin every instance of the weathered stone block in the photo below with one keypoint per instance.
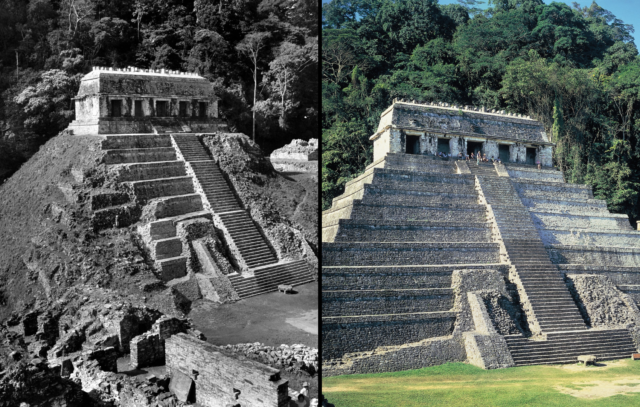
x,y
221,378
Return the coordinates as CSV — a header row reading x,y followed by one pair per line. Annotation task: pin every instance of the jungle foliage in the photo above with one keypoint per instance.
x,y
576,69
46,46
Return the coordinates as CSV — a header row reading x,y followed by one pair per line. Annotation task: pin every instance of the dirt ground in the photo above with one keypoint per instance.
x,y
272,319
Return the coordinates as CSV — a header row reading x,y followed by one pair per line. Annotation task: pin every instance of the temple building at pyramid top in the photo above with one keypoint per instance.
x,y
428,129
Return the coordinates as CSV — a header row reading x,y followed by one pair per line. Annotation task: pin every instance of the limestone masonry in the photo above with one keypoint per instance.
x,y
132,100
429,260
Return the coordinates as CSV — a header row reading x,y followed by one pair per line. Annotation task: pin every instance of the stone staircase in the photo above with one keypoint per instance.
x,y
253,247
266,279
552,311
565,347
214,185
243,236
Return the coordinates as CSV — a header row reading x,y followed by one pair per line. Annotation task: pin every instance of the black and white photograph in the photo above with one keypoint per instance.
x,y
159,203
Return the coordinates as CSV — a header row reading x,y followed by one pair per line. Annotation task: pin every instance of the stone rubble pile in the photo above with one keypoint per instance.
x,y
283,356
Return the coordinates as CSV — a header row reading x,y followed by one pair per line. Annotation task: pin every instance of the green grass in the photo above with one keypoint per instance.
x,y
459,384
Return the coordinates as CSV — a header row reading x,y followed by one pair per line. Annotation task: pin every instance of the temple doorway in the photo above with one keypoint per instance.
x,y
473,147
443,145
161,108
531,156
503,153
413,145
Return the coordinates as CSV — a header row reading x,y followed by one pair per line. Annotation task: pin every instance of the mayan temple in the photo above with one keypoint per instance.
x,y
428,260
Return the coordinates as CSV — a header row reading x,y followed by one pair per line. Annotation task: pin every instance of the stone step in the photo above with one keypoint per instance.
x,y
552,316
539,355
191,147
274,270
267,279
551,348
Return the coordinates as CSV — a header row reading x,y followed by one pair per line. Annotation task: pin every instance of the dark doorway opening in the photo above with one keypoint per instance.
x,y
413,145
531,156
503,153
183,109
202,109
161,108
116,108
137,106
473,147
443,145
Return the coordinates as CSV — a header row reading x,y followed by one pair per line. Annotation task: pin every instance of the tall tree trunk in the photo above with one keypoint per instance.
x,y
255,96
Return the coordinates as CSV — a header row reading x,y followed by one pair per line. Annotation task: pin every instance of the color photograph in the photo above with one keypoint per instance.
x,y
480,182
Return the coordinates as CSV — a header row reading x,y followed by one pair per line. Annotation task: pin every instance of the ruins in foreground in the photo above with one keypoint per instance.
x,y
429,260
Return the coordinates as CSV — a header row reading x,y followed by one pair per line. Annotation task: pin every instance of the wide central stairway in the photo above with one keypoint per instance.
x,y
551,310
172,179
390,245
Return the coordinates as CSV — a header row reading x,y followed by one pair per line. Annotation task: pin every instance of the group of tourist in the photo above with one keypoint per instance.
x,y
480,158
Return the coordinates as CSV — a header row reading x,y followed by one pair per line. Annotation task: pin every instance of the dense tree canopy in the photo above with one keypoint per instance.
x,y
576,69
47,45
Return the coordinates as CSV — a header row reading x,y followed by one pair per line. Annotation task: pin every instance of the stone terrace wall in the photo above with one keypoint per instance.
x,y
377,302
366,333
532,174
221,379
429,352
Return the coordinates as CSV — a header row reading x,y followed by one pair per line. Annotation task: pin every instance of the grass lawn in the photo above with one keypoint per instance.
x,y
612,383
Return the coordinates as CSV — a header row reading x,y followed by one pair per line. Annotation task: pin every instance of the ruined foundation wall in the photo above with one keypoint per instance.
x,y
222,379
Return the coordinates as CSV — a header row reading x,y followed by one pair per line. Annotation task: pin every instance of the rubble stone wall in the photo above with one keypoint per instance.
x,y
148,349
224,379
